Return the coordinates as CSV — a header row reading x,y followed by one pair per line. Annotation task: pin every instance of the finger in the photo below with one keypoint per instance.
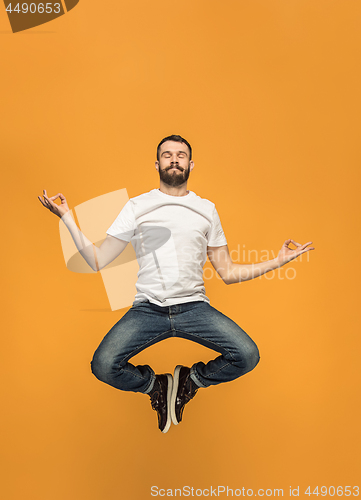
x,y
49,204
44,204
295,243
306,244
54,197
41,201
305,250
46,198
46,201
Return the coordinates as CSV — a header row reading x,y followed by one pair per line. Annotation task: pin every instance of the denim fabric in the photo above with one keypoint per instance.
x,y
146,324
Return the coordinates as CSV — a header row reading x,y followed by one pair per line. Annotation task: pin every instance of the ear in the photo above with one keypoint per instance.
x,y
157,166
191,165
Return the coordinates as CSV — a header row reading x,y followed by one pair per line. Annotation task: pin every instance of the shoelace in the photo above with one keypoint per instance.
x,y
156,399
190,393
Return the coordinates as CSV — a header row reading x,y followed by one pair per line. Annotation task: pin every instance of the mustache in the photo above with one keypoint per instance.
x,y
174,166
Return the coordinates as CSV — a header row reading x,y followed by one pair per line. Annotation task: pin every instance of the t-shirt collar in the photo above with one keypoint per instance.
x,y
159,192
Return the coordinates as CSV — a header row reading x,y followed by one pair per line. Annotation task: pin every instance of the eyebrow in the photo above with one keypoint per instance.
x,y
184,152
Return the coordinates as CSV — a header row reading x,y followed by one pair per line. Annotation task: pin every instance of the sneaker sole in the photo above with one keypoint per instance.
x,y
174,393
169,394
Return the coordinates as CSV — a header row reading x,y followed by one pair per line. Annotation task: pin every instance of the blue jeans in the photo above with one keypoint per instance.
x,y
146,324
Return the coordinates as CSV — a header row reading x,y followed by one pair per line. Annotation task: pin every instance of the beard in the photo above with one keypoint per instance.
x,y
176,177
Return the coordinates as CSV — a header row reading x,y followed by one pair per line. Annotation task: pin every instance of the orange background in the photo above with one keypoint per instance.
x,y
268,94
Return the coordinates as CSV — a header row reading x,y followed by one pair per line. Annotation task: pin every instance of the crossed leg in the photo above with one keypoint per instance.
x,y
146,324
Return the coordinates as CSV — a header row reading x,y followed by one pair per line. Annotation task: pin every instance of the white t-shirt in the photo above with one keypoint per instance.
x,y
170,235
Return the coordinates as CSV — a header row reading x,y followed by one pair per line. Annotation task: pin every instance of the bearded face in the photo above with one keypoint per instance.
x,y
174,175
174,165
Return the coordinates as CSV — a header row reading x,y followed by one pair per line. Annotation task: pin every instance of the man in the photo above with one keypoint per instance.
x,y
172,231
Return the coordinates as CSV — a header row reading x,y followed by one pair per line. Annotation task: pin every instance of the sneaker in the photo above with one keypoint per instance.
x,y
184,389
160,400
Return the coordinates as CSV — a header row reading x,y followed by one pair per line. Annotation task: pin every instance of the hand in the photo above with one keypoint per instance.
x,y
286,253
58,210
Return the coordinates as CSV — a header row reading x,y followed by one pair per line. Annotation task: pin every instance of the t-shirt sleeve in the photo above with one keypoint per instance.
x,y
216,237
124,225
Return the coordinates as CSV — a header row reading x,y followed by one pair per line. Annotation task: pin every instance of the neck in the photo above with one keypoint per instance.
x,y
173,191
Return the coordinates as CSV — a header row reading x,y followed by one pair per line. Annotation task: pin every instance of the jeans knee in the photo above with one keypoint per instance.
x,y
101,366
248,358
253,357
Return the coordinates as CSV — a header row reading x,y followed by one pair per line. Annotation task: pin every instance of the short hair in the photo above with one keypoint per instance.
x,y
175,138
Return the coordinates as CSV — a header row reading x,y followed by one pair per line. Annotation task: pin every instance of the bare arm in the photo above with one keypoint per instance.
x,y
96,257
234,273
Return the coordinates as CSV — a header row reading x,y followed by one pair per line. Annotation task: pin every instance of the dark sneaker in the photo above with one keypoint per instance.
x,y
160,400
184,389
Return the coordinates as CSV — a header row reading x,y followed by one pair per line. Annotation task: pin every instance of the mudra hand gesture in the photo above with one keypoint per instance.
x,y
286,254
58,210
